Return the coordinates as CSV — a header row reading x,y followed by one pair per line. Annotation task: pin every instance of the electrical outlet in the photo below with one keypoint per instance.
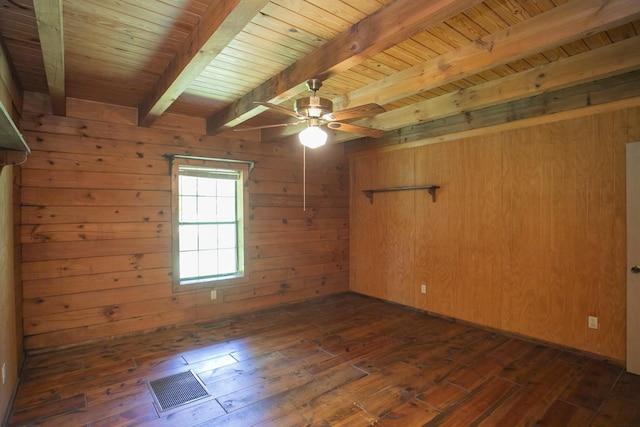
x,y
423,289
593,322
214,294
4,373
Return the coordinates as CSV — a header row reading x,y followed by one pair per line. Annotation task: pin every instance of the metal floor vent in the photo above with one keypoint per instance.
x,y
176,390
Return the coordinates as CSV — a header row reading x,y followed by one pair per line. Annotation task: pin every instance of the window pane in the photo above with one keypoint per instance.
x,y
189,264
188,209
227,188
188,237
207,207
226,209
227,261
209,237
207,186
227,236
208,263
188,185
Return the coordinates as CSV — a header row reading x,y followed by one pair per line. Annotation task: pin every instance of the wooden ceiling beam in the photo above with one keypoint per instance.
x,y
220,23
392,24
51,33
562,24
608,94
606,61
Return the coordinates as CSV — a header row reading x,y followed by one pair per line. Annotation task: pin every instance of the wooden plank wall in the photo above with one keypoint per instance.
x,y
527,234
96,225
11,351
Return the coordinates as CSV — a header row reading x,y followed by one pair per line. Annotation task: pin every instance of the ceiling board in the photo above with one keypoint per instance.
x,y
119,51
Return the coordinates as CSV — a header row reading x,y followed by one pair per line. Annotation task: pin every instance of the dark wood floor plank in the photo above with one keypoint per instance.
x,y
364,354
358,419
527,405
62,379
378,381
268,388
404,389
443,396
63,386
477,405
411,413
476,374
131,418
124,389
511,350
627,387
262,377
98,412
617,412
563,414
213,351
242,368
268,343
333,408
53,409
192,415
39,370
521,370
342,360
592,385
291,419
480,348
279,405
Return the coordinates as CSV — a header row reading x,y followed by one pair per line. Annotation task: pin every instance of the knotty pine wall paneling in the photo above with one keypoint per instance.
x,y
11,344
11,349
527,234
96,226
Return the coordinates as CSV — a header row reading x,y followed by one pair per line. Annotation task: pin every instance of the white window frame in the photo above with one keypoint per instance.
x,y
210,167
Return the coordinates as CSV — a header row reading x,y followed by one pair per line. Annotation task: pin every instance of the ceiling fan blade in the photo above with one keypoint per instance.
x,y
361,130
277,125
280,109
366,110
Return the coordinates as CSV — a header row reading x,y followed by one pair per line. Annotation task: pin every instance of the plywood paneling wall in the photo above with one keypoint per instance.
x,y
527,234
96,227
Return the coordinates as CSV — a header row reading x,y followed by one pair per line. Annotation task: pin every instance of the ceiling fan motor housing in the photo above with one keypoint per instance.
x,y
313,106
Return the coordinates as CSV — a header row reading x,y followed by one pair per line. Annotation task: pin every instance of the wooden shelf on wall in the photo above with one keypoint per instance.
x,y
430,188
13,148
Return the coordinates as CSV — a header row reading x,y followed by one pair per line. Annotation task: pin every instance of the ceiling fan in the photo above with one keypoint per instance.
x,y
317,112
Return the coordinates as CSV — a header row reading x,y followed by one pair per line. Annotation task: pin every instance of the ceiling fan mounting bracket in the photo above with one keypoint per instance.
x,y
314,85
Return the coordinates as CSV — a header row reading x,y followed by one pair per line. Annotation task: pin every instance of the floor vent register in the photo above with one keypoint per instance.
x,y
177,390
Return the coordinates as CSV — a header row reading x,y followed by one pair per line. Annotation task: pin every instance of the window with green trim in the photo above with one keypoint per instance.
x,y
208,224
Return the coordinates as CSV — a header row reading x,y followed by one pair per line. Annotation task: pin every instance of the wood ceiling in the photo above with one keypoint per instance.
x,y
423,61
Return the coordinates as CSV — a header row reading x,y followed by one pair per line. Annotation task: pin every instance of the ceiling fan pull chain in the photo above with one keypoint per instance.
x,y
304,178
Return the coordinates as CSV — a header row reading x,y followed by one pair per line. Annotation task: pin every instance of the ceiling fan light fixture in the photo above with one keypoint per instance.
x,y
313,137
313,106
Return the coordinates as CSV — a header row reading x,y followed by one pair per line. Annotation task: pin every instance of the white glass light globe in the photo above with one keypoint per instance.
x,y
313,137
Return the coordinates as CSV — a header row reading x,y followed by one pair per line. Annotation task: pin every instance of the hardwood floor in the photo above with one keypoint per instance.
x,y
344,360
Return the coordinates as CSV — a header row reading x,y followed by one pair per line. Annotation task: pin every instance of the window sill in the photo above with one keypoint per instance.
x,y
190,285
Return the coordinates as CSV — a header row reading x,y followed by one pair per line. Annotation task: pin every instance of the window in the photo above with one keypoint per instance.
x,y
208,223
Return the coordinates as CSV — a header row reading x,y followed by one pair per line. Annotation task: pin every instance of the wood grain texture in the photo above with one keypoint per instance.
x,y
9,329
96,227
338,360
525,235
51,35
